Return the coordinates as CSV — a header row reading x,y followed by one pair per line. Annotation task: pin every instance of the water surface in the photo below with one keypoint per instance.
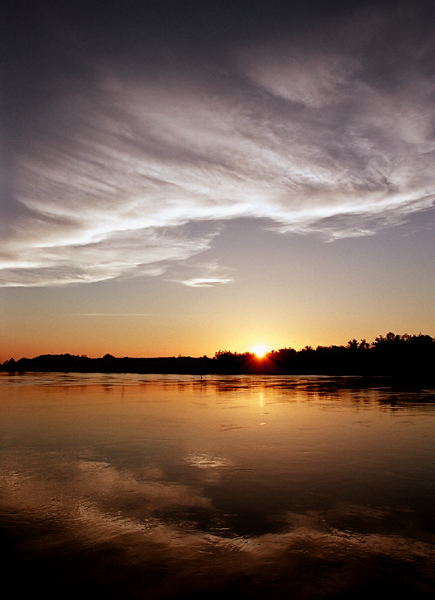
x,y
141,486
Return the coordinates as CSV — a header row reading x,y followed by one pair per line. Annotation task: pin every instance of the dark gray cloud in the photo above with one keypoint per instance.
x,y
119,132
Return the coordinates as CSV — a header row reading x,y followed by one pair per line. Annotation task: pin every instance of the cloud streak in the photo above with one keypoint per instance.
x,y
131,171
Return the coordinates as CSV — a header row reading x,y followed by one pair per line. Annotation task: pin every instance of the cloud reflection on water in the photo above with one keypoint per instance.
x,y
194,560
187,506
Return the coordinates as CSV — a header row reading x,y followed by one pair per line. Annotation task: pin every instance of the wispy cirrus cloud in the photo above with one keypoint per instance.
x,y
128,172
199,274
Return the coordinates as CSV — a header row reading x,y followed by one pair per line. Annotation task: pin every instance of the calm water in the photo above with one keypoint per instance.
x,y
133,486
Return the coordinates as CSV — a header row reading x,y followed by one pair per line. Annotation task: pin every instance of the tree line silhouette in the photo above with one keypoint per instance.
x,y
402,356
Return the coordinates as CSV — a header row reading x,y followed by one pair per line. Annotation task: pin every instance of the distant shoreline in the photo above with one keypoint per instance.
x,y
399,356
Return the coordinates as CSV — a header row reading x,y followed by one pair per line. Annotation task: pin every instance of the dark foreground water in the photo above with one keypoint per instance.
x,y
132,486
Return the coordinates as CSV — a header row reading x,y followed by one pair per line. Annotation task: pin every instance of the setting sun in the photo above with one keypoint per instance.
x,y
259,350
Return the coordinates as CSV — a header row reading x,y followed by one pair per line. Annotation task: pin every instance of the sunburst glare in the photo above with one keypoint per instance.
x,y
259,350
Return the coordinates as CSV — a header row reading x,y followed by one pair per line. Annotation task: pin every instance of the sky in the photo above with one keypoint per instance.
x,y
183,177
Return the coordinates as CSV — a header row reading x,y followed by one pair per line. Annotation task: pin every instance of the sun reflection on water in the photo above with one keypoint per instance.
x,y
179,481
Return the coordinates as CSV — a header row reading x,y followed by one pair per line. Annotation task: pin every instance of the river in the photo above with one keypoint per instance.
x,y
142,486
